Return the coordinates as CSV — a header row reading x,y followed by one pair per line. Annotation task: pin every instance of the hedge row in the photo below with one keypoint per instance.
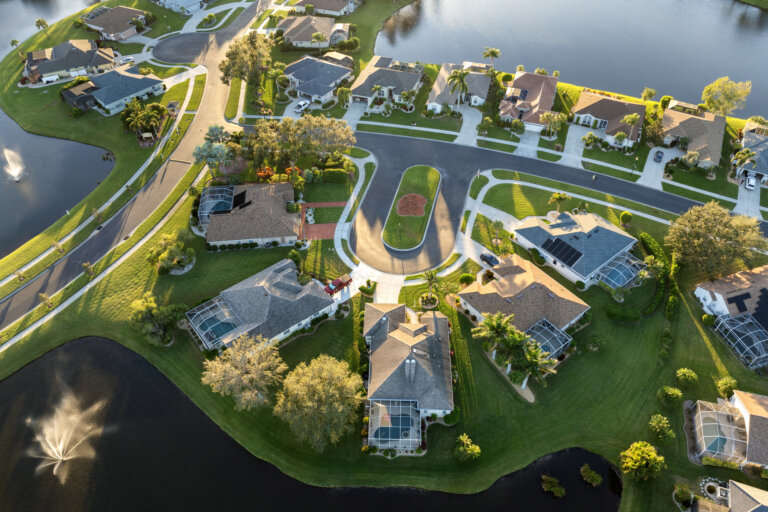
x,y
711,461
335,176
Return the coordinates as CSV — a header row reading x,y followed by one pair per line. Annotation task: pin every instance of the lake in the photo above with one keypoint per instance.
x,y
136,442
18,20
617,45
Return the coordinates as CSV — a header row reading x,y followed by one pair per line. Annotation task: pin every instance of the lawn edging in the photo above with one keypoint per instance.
x,y
429,217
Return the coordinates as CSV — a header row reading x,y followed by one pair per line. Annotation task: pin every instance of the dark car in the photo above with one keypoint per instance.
x,y
658,156
489,259
338,284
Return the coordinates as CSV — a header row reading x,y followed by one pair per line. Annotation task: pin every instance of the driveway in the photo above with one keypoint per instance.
x,y
653,172
748,202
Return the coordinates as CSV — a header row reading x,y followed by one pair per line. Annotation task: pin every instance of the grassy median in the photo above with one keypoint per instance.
x,y
406,231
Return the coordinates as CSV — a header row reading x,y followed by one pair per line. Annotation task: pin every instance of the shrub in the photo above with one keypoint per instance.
x,y
274,243
725,386
683,495
365,449
210,355
664,102
764,474
659,425
537,257
642,461
625,217
319,319
672,303
686,377
620,313
552,485
465,449
590,476
711,461
580,285
708,320
669,395
335,176
452,417
467,279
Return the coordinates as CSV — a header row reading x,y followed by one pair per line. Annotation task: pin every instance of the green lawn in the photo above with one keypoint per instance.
x,y
269,96
610,171
501,133
160,70
336,111
129,48
498,146
444,265
720,185
218,3
358,153
322,260
478,182
407,232
370,167
464,220
617,158
552,157
696,196
348,251
567,97
369,18
763,196
409,295
484,234
279,16
393,130
328,215
559,140
197,92
230,111
218,17
260,19
232,17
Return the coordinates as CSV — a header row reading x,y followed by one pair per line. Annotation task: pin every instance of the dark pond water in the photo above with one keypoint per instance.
x,y
55,175
676,47
144,446
18,19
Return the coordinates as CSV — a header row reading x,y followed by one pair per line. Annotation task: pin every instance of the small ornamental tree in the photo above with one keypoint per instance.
x,y
669,395
466,279
465,449
641,461
660,426
725,386
626,217
686,377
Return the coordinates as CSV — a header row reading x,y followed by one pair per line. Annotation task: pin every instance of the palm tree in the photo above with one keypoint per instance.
x,y
498,226
430,276
40,23
150,119
15,44
494,327
133,122
343,94
558,198
458,79
744,157
630,119
375,90
318,37
408,96
536,363
491,53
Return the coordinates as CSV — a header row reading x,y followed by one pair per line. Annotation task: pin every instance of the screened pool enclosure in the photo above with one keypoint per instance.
x,y
551,339
620,271
394,424
213,320
720,432
746,337
215,199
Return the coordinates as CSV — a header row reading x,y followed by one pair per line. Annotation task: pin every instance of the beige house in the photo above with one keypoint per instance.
x,y
328,7
703,130
117,23
386,78
76,57
478,83
605,115
298,30
527,97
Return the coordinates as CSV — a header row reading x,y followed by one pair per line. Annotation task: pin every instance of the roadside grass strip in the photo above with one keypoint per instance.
x,y
444,265
197,92
498,146
397,130
696,196
231,18
403,231
260,19
370,167
609,171
233,100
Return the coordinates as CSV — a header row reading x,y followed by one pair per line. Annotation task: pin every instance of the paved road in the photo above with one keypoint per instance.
x,y
459,164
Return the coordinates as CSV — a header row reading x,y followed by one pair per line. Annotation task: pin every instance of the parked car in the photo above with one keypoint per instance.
x,y
489,259
750,183
338,284
126,59
658,156
301,106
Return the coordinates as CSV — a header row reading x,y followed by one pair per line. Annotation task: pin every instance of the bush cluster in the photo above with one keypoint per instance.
x,y
590,476
711,461
537,257
669,395
335,176
319,319
552,485
666,344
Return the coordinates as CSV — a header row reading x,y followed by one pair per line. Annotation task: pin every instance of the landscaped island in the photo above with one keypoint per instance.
x,y
412,208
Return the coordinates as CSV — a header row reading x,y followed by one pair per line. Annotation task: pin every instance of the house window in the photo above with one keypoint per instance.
x,y
602,124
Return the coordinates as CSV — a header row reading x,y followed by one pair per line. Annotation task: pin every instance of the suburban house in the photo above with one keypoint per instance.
x,y
733,430
478,83
702,130
410,374
528,97
543,308
272,303
339,58
755,138
112,91
386,78
605,115
328,7
298,31
316,79
740,304
182,6
256,213
76,57
117,23
582,247
737,497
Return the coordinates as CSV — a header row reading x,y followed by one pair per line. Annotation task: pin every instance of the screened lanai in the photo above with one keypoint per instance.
x,y
746,337
551,339
394,424
620,271
719,431
215,199
212,320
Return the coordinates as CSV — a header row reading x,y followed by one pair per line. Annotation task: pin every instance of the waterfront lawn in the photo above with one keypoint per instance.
x,y
407,232
567,97
696,196
328,214
197,93
719,185
369,18
478,182
407,132
233,99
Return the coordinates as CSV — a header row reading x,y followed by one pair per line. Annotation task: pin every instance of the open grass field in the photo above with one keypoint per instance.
x,y
407,231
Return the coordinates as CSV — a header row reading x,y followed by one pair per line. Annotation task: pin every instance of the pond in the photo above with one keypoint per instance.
x,y
18,20
93,426
617,45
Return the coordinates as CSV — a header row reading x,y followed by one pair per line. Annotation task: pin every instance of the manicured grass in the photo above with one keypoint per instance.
x,y
392,130
218,17
279,16
369,18
328,215
498,146
617,158
348,251
232,17
696,196
160,70
409,295
559,140
336,111
477,185
484,233
322,260
197,93
269,96
260,19
230,111
763,4
567,97
358,153
176,93
407,232
552,157
218,3
370,167
610,171
320,192
129,48
447,263
720,185
464,220
763,196
501,133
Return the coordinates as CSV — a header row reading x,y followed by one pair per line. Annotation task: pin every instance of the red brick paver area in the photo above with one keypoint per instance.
x,y
318,231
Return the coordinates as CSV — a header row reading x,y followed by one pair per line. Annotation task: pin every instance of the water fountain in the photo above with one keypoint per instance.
x,y
64,435
14,165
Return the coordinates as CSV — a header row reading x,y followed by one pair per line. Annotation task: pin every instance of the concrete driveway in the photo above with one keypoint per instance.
x,y
653,172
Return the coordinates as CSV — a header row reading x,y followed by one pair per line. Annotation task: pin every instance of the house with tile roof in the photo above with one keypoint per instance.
x,y
116,23
702,131
272,303
582,247
542,308
387,79
740,304
527,97
316,79
605,114
736,497
76,57
755,138
478,83
298,31
328,7
410,374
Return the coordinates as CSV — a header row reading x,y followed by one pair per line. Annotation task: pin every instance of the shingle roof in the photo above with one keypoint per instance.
x,y
756,138
325,5
121,83
73,54
413,360
743,292
477,84
595,238
273,301
745,498
301,28
527,292
339,58
612,110
379,72
704,132
261,214
316,76
540,93
757,436
116,20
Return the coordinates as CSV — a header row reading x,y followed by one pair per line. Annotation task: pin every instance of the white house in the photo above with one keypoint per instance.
x,y
316,79
387,79
605,115
478,83
182,6
115,89
328,7
299,31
